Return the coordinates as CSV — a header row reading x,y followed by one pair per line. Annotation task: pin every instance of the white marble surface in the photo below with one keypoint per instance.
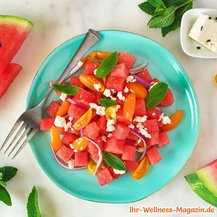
x,y
56,21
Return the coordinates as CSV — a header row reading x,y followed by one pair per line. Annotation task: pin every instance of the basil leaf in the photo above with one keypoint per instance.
x,y
107,65
156,94
7,173
147,8
5,196
32,204
107,102
163,20
113,161
157,3
67,88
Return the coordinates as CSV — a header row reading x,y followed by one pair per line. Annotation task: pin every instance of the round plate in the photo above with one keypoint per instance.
x,y
162,65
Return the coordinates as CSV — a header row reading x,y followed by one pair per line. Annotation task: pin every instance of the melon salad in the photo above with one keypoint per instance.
x,y
109,118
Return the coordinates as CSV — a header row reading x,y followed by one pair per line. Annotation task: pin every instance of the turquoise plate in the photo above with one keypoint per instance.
x,y
162,65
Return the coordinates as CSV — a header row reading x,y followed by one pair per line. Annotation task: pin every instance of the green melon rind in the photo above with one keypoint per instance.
x,y
199,188
19,21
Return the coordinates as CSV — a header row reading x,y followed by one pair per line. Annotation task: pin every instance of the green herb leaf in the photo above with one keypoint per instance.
x,y
156,94
32,204
5,196
169,3
7,173
67,88
157,3
147,8
159,11
107,102
113,161
163,20
107,65
170,28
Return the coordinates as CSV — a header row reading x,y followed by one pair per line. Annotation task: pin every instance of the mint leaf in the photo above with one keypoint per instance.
x,y
5,196
170,28
107,65
159,11
113,161
147,8
156,94
32,204
157,3
169,3
67,88
107,102
163,20
7,173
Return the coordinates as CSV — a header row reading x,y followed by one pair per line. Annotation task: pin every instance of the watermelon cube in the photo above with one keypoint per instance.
x,y
65,153
8,76
129,153
154,113
74,80
114,146
92,130
75,111
120,71
145,76
130,142
93,150
114,175
85,97
154,140
140,109
163,139
68,138
168,99
151,125
132,136
121,132
153,155
90,67
131,165
127,58
115,83
101,123
120,118
104,176
81,158
53,108
46,124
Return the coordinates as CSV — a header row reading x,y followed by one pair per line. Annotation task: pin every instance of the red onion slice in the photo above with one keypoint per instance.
x,y
141,81
80,105
138,69
135,132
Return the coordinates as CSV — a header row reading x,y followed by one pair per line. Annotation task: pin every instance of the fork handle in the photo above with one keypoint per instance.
x,y
90,39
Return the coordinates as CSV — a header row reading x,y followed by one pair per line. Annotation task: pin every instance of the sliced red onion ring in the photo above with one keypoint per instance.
x,y
138,69
80,105
62,164
135,132
100,155
141,81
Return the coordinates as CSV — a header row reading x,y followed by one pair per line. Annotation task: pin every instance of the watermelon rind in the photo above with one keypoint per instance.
x,y
199,188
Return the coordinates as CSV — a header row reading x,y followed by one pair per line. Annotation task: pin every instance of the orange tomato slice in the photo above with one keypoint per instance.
x,y
138,89
141,169
83,120
55,138
80,144
175,120
129,106
102,54
63,109
90,81
88,58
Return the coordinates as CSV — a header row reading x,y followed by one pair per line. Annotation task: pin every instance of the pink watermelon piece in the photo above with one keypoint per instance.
x,y
8,75
101,123
120,71
53,108
154,113
131,165
129,153
93,150
65,153
115,83
168,99
145,76
121,132
75,111
92,130
46,124
153,155
140,109
74,80
91,67
154,140
68,138
126,58
163,139
114,175
85,97
81,158
114,146
120,118
151,125
104,176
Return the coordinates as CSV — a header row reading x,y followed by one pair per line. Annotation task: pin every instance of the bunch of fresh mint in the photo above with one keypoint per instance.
x,y
166,14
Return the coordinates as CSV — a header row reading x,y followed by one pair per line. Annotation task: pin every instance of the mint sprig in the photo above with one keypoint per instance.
x,y
5,196
107,102
66,88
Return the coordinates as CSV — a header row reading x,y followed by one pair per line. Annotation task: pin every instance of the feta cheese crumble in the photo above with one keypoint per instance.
x,y
94,72
104,139
110,125
117,107
126,90
130,78
63,96
97,86
164,119
107,93
131,126
109,135
143,130
140,119
71,164
59,121
100,110
121,172
120,96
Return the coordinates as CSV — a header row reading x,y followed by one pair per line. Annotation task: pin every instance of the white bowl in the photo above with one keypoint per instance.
x,y
189,46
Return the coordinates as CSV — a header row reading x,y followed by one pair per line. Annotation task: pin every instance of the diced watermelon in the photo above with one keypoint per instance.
x,y
46,124
53,108
101,123
151,125
93,150
154,113
168,99
74,80
8,75
90,67
154,140
65,153
114,175
145,76
114,146
120,118
115,83
126,58
81,158
131,165
129,153
92,130
153,155
69,138
13,32
120,71
75,111
85,97
121,132
104,176
132,136
163,139
140,109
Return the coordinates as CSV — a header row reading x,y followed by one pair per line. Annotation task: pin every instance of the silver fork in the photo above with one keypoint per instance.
x,y
27,124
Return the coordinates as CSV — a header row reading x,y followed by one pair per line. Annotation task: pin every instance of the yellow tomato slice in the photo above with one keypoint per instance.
x,y
80,144
138,89
91,167
110,113
88,58
129,106
102,54
141,169
55,138
83,120
63,109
